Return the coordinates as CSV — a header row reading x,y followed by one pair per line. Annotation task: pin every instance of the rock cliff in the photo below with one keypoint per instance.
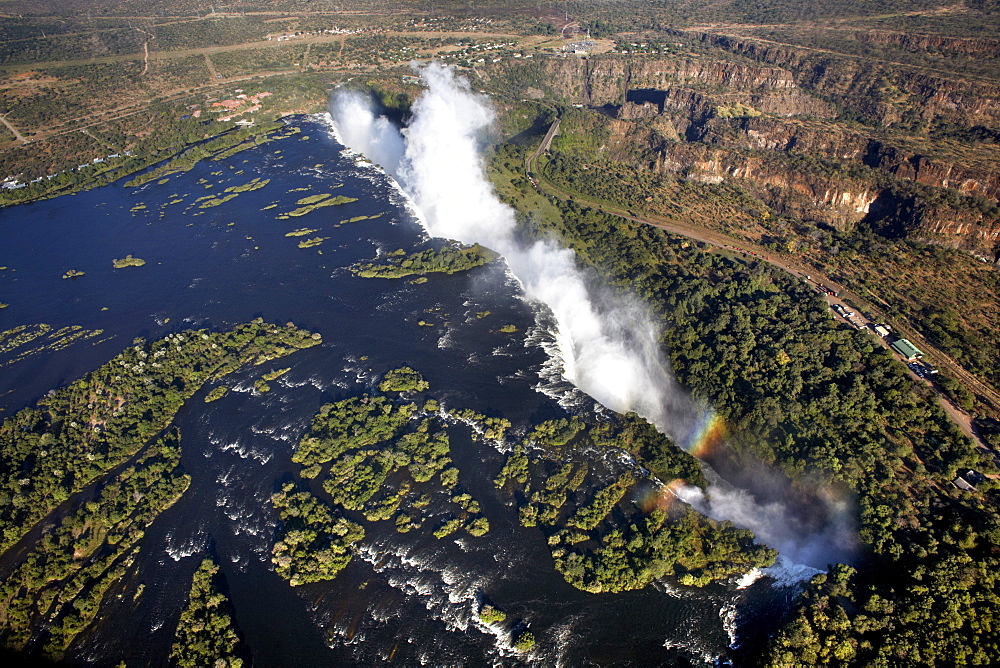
x,y
764,118
882,93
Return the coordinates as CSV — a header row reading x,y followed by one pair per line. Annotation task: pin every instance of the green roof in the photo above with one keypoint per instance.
x,y
906,349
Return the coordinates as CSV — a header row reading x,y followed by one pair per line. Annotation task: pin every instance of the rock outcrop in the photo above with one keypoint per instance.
x,y
885,94
767,118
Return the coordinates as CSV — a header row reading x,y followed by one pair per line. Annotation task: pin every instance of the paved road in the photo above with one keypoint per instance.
x,y
792,266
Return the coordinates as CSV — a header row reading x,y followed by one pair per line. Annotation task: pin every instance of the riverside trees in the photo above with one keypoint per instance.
x,y
78,433
599,539
448,259
813,397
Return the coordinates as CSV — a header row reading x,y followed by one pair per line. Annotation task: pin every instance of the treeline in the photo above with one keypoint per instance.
x,y
813,397
205,635
219,147
376,456
57,588
312,543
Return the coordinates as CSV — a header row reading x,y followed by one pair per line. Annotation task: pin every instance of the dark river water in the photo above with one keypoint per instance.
x,y
406,598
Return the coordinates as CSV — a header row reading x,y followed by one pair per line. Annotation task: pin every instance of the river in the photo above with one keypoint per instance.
x,y
409,598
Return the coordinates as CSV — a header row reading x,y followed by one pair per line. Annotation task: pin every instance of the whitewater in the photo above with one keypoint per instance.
x,y
608,345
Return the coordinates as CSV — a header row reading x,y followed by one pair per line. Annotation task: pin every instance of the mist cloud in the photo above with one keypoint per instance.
x,y
609,346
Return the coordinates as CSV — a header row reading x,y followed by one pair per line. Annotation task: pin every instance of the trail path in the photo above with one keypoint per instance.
x,y
17,135
211,68
736,245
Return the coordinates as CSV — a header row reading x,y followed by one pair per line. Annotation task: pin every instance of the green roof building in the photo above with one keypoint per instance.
x,y
909,351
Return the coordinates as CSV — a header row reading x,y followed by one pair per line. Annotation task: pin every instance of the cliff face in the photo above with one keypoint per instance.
x,y
765,129
841,145
930,172
601,81
834,198
901,215
956,46
688,91
884,94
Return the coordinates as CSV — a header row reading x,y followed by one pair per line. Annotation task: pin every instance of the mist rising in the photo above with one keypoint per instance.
x,y
609,346
612,354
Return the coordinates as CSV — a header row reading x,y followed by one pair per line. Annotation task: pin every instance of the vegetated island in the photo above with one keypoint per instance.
x,y
389,459
384,458
254,184
220,147
403,379
216,201
27,340
451,258
358,219
56,590
216,394
231,192
301,232
313,202
312,242
128,261
600,549
205,635
67,449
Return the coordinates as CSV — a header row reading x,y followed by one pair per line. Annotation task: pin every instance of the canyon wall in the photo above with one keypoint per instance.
x,y
765,117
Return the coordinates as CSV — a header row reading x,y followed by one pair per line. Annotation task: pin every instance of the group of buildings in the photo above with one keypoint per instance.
x,y
243,104
902,347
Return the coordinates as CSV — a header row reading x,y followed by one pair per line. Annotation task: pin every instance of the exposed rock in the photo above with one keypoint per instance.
x,y
764,128
604,80
955,46
882,93
903,215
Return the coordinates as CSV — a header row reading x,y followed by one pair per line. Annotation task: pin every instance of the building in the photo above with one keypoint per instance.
x,y
881,330
909,351
963,484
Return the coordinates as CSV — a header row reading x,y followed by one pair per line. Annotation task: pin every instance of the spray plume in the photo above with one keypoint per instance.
x,y
609,347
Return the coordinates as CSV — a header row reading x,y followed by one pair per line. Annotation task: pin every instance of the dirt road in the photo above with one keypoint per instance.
x,y
17,135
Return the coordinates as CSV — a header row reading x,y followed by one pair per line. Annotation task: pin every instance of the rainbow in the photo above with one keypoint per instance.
x,y
707,435
661,498
702,441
